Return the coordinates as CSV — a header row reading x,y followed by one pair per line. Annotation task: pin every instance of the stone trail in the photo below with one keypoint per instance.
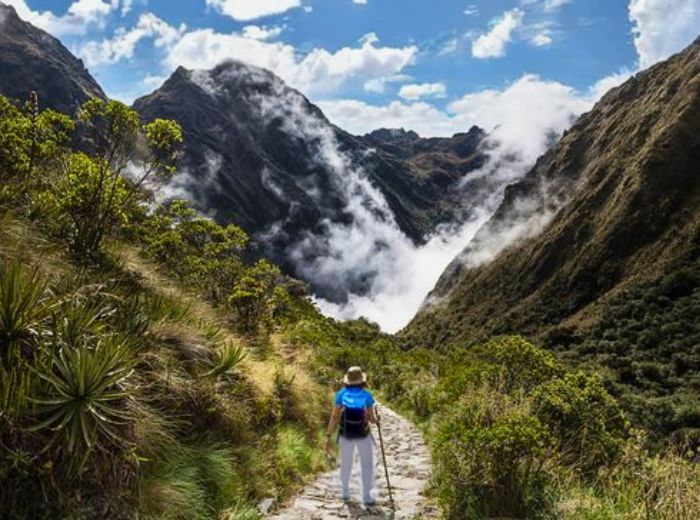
x,y
409,470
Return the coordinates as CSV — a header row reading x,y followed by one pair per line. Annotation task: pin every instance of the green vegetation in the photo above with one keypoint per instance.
x,y
647,347
148,369
125,387
514,432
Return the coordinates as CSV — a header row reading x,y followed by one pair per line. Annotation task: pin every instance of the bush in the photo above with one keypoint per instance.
x,y
586,422
489,456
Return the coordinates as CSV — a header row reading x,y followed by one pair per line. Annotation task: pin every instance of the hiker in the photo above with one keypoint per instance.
x,y
353,411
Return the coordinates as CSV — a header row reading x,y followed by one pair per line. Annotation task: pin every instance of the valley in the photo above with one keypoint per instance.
x,y
185,279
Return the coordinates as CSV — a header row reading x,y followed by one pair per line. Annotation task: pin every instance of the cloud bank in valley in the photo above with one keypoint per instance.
x,y
370,251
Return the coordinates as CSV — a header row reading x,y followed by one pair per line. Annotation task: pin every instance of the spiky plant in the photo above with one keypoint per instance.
x,y
85,399
226,359
23,307
77,323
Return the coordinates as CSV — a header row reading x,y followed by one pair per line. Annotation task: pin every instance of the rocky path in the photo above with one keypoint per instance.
x,y
409,469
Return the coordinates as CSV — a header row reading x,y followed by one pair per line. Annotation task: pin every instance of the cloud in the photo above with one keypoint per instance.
x,y
661,29
79,16
522,118
603,85
493,43
123,43
529,106
548,6
378,85
416,91
317,71
245,10
255,32
471,10
153,82
126,6
363,2
542,39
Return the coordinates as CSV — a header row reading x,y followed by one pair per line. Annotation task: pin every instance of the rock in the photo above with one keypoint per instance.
x,y
267,505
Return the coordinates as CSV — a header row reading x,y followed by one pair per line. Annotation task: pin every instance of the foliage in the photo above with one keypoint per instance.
x,y
647,348
254,297
227,358
588,423
95,193
197,250
490,454
85,397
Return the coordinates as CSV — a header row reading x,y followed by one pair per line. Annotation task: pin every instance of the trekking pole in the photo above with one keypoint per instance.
x,y
386,469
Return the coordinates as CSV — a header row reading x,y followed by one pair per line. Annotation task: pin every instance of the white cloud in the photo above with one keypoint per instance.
x,y
542,39
521,119
554,5
317,71
378,85
123,43
663,27
471,10
548,6
154,81
363,2
126,6
255,32
245,10
79,16
417,91
519,112
493,43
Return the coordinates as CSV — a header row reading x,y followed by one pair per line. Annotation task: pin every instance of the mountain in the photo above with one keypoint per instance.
x,y
260,155
605,265
32,59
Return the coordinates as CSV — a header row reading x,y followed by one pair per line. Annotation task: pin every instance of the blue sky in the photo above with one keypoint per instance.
x,y
372,62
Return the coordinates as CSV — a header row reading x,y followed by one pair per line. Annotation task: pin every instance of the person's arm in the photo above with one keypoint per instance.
x,y
333,424
373,414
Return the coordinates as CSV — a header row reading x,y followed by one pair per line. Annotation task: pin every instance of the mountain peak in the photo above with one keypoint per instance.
x,y
31,59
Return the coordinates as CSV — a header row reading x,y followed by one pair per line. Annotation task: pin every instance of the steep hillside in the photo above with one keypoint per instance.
x,y
260,155
31,59
619,199
626,180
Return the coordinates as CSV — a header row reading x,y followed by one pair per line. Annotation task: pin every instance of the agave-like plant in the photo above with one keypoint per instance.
x,y
226,358
23,306
86,393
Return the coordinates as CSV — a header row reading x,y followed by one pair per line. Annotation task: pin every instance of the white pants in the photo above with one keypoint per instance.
x,y
347,451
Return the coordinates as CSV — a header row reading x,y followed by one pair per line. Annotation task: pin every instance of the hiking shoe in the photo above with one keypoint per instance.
x,y
369,502
345,497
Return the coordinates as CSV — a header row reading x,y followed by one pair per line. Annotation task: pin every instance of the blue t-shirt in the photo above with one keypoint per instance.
x,y
354,397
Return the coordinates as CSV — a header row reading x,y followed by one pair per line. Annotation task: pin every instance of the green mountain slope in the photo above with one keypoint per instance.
x,y
621,194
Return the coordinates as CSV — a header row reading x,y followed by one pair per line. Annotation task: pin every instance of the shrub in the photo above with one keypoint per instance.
x,y
489,456
252,299
588,425
521,364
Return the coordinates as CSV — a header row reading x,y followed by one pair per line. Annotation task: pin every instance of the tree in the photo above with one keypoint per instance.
x,y
252,299
98,186
29,138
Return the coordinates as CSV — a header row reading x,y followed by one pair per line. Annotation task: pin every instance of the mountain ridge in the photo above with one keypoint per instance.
x,y
600,181
32,59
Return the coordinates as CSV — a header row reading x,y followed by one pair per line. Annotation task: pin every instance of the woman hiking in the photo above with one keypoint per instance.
x,y
353,412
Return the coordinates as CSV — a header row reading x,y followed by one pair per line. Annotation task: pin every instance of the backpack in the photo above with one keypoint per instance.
x,y
353,423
